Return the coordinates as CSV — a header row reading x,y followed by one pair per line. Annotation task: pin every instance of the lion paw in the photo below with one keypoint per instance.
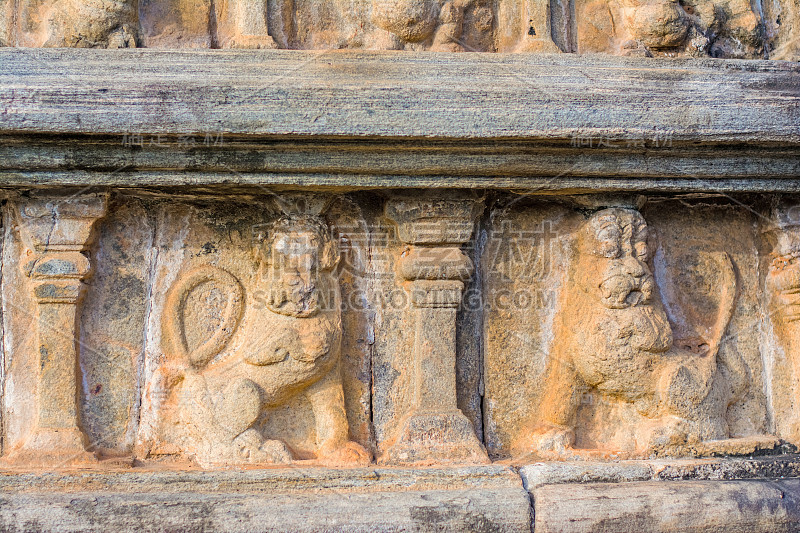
x,y
351,454
547,442
253,449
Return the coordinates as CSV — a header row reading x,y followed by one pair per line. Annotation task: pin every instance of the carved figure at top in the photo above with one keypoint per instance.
x,y
74,23
614,341
720,28
437,25
260,356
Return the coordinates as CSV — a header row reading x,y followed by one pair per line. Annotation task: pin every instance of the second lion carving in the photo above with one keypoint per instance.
x,y
650,394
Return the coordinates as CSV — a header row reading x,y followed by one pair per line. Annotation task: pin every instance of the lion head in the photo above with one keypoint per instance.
x,y
298,255
617,325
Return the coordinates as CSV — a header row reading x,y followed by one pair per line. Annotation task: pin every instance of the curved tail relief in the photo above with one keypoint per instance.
x,y
427,328
258,357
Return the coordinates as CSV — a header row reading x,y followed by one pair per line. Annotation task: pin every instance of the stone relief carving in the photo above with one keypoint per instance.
x,y
206,24
783,291
259,357
243,24
646,354
56,232
718,28
434,269
615,343
72,23
433,24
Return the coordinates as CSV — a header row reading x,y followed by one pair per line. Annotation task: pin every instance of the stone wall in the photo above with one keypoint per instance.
x,y
314,291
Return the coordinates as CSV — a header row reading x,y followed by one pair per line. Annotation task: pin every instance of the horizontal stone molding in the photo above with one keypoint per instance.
x,y
745,495
354,120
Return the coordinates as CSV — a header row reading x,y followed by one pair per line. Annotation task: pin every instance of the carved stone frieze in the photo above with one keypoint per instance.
x,y
328,329
716,28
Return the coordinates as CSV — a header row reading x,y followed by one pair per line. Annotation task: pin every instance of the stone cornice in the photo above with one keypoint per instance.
x,y
354,120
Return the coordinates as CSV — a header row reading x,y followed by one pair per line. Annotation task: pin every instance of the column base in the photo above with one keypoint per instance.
x,y
51,448
442,438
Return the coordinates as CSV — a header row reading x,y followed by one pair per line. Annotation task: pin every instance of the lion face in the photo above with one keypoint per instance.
x,y
617,326
300,257
613,246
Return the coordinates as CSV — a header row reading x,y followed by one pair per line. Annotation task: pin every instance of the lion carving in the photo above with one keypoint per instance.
x,y
615,341
261,357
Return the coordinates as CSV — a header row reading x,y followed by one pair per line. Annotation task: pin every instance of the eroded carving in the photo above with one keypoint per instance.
x,y
783,291
525,26
260,356
56,233
432,24
717,28
206,24
782,21
645,27
616,345
434,269
75,23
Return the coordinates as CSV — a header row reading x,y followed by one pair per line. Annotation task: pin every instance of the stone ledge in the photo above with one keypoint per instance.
x,y
548,473
355,120
672,506
679,495
499,510
261,481
313,499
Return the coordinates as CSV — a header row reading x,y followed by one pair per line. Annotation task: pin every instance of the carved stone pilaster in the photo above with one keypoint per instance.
x,y
434,269
783,295
56,231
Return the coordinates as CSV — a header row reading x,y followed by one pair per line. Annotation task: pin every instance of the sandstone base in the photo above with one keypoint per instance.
x,y
693,495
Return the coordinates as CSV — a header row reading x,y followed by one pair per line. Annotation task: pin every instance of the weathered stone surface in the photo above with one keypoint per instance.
x,y
53,232
540,474
537,254
475,499
73,23
113,325
433,269
244,339
779,333
707,469
782,18
478,511
448,121
669,506
200,281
